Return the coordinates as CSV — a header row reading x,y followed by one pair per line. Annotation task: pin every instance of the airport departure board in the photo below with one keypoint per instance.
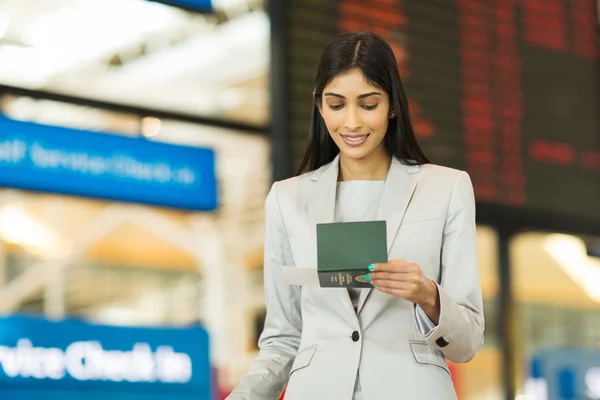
x,y
508,90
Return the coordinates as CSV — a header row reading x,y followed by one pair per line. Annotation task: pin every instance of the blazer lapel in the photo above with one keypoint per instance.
x,y
321,205
397,193
321,210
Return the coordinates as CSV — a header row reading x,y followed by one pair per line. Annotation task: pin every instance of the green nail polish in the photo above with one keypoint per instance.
x,y
367,277
371,267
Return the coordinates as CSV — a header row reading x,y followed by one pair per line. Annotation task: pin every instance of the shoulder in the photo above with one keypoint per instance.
x,y
445,183
444,178
291,186
291,191
296,187
451,184
439,173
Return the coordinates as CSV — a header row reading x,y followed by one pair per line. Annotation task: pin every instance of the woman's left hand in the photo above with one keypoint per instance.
x,y
406,280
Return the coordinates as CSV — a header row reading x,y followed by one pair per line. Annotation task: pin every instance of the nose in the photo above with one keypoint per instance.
x,y
352,121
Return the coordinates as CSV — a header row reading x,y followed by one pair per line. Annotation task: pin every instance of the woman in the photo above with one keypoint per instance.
x,y
362,162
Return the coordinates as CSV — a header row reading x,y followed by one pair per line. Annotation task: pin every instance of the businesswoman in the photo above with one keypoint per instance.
x,y
362,162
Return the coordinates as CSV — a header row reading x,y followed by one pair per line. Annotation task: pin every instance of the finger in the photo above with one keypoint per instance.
x,y
392,266
378,267
395,292
387,284
394,276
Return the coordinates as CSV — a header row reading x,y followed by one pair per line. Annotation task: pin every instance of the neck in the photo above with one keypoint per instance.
x,y
372,168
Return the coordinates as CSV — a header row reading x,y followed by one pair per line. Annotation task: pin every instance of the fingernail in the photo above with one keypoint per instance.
x,y
367,277
371,267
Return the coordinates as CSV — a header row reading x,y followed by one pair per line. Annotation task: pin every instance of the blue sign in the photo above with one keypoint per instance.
x,y
68,360
564,374
107,166
197,5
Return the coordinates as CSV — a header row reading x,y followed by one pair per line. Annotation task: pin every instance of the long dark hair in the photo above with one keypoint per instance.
x,y
374,57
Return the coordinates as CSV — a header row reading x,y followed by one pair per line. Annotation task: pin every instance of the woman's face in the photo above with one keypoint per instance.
x,y
356,114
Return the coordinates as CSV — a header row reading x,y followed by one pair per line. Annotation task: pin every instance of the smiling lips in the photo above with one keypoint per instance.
x,y
354,140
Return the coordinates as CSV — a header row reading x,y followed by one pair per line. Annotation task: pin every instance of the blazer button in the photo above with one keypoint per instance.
x,y
355,336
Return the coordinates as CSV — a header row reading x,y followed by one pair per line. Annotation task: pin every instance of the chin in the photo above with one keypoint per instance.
x,y
355,154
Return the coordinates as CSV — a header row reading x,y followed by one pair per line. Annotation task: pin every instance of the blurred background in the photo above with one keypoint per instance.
x,y
138,141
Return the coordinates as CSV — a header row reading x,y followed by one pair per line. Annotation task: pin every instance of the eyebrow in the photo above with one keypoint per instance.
x,y
362,96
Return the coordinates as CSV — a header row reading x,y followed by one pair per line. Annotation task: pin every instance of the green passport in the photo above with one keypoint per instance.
x,y
346,249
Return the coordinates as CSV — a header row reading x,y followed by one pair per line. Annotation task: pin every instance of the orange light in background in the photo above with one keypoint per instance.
x,y
454,375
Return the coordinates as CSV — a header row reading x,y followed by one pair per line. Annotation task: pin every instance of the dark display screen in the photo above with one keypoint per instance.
x,y
507,90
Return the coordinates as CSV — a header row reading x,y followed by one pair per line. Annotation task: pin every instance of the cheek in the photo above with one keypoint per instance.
x,y
378,122
332,120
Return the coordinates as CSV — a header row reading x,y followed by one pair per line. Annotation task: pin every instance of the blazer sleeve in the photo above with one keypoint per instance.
x,y
459,333
280,339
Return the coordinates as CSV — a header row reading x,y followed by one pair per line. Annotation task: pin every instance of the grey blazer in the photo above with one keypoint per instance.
x,y
314,341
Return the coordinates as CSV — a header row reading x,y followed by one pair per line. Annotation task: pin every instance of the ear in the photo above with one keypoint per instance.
x,y
392,113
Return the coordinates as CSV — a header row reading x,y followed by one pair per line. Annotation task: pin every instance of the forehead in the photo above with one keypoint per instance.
x,y
351,84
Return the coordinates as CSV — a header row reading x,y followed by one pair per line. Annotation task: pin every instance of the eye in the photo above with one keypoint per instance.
x,y
336,107
370,107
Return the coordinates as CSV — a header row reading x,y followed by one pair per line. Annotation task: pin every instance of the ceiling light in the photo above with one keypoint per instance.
x,y
18,227
84,32
151,126
229,6
3,26
570,253
535,389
